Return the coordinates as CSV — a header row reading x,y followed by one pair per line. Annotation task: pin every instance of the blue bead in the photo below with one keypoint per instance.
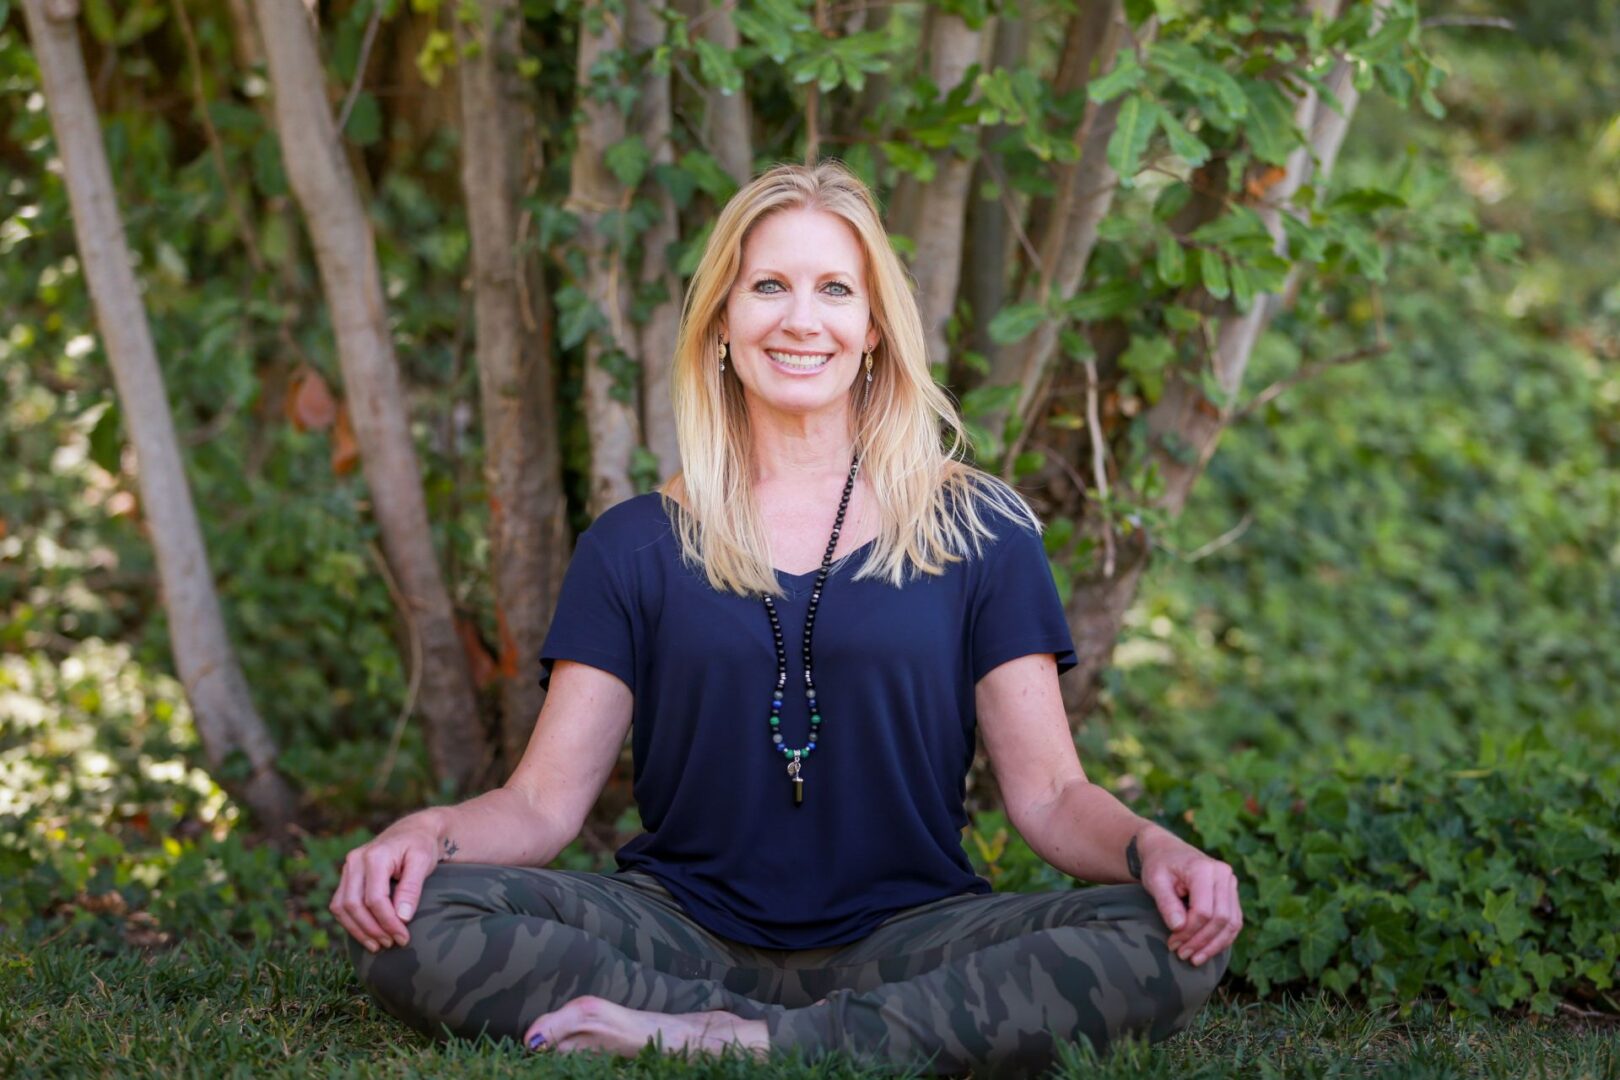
x,y
812,746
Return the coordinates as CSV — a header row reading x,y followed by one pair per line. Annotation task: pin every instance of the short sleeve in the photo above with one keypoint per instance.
x,y
1018,611
592,624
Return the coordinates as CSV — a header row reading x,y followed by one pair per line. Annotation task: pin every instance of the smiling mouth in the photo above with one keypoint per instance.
x,y
800,361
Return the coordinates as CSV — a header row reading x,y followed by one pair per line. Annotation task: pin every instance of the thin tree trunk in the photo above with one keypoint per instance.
x,y
594,193
227,722
1085,194
941,211
991,245
655,338
528,526
1184,426
727,127
346,255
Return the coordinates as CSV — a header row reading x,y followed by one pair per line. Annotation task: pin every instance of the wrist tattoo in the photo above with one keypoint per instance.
x,y
450,849
1133,860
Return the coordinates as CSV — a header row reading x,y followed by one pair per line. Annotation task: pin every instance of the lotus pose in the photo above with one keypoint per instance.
x,y
801,635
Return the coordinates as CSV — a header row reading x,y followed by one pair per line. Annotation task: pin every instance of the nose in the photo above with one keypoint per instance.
x,y
802,318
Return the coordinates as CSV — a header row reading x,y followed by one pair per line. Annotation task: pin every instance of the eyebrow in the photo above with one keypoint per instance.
x,y
781,273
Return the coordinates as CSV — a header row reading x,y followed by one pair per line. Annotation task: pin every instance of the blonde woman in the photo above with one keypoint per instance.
x,y
800,635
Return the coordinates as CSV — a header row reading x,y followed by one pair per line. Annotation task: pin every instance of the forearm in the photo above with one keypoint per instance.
x,y
1084,832
500,827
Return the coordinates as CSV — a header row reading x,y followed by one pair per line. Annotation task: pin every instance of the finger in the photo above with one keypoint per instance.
x,y
1218,934
379,874
408,892
1232,919
370,934
1161,886
1200,906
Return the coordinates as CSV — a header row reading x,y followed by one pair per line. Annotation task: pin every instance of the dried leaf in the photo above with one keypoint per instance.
x,y
345,450
1258,185
482,664
509,649
309,402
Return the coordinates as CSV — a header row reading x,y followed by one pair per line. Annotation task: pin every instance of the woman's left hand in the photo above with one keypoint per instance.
x,y
1197,895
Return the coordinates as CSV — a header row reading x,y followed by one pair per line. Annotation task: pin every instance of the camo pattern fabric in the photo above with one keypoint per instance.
x,y
987,984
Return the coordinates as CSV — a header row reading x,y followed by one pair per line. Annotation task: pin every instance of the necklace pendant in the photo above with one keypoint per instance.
x,y
794,768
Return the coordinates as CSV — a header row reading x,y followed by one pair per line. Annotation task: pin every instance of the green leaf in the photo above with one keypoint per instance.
x,y
106,438
1127,75
1270,128
1106,301
1321,939
1134,127
717,66
1030,461
1183,143
364,126
1171,263
1212,272
1014,324
909,159
1183,320
628,159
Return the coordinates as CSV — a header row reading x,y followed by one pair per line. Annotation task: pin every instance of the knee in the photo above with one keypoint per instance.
x,y
421,982
1182,991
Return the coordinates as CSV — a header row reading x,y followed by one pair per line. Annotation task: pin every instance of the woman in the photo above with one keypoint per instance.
x,y
802,723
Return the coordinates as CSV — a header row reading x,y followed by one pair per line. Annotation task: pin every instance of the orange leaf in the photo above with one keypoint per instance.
x,y
310,405
1257,186
478,658
345,451
509,657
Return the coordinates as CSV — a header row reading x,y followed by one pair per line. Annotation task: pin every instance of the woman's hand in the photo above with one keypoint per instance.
x,y
406,851
1197,895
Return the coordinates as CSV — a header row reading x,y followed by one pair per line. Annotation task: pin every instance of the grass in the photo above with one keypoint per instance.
x,y
212,1008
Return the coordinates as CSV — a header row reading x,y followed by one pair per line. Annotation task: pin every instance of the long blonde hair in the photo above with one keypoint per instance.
x,y
932,505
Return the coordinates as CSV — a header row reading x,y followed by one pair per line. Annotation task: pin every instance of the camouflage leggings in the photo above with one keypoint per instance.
x,y
988,983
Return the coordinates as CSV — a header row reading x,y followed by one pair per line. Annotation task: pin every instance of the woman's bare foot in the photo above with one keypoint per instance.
x,y
590,1023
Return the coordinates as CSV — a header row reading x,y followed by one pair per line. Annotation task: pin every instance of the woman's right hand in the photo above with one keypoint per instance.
x,y
406,852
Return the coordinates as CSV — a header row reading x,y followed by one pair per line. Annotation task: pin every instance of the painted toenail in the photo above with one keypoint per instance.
x,y
536,1041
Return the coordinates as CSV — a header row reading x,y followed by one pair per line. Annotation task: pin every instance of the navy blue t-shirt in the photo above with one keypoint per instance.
x,y
881,826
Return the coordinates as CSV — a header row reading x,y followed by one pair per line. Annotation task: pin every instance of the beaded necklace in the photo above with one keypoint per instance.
x,y
797,758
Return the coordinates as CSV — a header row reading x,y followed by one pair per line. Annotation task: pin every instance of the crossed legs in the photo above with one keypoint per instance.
x,y
987,983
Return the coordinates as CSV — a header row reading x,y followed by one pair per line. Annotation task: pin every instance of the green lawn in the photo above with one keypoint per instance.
x,y
214,1009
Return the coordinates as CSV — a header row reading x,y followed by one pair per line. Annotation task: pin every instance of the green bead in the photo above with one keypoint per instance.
x,y
815,718
776,721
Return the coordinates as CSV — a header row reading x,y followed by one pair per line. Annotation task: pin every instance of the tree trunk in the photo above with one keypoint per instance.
x,y
528,525
655,338
941,211
594,194
1069,233
1184,426
991,246
726,130
346,255
227,722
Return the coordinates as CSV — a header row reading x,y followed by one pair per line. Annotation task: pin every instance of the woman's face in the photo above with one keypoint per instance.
x,y
798,317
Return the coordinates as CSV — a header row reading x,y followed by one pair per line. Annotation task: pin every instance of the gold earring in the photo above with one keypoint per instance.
x,y
722,356
869,364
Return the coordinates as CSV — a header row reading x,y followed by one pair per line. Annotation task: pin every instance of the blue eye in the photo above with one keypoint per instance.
x,y
760,287
845,290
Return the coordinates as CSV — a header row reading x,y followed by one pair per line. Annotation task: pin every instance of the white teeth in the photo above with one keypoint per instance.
x,y
806,363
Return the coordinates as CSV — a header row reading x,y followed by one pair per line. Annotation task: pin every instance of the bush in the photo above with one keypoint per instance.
x,y
1494,885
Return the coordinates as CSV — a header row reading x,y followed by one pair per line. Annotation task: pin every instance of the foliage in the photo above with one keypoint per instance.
x,y
1491,886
